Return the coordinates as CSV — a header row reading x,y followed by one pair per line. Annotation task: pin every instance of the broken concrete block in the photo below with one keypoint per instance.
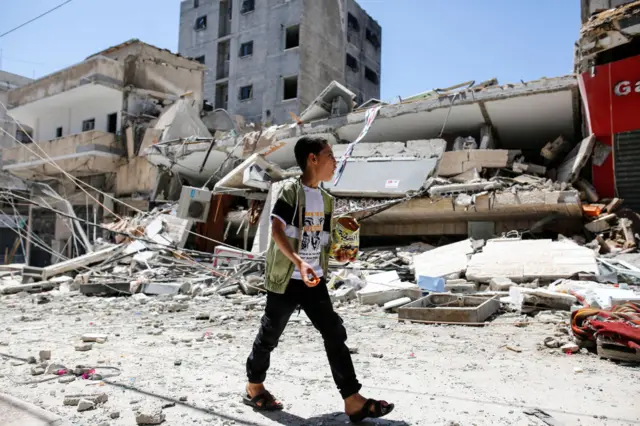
x,y
177,307
203,316
489,158
555,149
84,347
96,398
500,284
464,287
530,300
343,294
37,371
570,348
229,290
150,415
443,261
451,163
66,379
85,405
94,337
551,342
525,260
54,368
44,355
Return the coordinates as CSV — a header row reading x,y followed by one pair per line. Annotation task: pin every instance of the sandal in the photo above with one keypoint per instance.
x,y
263,402
380,409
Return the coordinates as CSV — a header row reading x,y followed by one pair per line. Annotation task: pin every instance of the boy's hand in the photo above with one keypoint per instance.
x,y
308,274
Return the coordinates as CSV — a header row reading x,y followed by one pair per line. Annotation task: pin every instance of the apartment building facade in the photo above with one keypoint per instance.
x,y
266,59
8,81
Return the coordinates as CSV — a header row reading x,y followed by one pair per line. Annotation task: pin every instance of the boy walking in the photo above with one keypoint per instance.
x,y
297,262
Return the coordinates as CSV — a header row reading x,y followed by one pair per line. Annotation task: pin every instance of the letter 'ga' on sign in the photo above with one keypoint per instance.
x,y
625,87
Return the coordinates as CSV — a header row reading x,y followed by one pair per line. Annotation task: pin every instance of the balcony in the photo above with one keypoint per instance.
x,y
83,154
97,70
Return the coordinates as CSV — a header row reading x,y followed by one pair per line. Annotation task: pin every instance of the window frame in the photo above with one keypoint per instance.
x,y
253,7
89,120
202,28
284,82
240,91
242,45
286,32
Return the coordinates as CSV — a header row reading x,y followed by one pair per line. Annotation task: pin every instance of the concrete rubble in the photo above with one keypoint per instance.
x,y
470,236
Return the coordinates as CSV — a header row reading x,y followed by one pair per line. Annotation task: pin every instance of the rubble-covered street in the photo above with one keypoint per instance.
x,y
192,363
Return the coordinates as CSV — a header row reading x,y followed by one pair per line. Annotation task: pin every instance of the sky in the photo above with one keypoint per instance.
x,y
426,44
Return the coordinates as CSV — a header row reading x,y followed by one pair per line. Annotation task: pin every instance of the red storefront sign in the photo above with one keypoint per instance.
x,y
611,95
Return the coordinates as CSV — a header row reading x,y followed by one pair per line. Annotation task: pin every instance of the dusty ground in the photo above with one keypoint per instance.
x,y
436,375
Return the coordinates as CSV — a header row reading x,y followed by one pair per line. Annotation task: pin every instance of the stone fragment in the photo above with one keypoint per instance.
x,y
500,284
84,347
183,399
375,355
31,360
37,371
550,342
114,415
150,415
66,379
177,362
202,316
53,368
45,355
570,348
85,405
93,337
97,398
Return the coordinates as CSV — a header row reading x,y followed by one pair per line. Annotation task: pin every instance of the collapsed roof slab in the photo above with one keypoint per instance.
x,y
437,216
521,115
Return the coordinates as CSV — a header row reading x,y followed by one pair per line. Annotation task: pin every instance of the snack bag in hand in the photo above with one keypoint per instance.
x,y
346,239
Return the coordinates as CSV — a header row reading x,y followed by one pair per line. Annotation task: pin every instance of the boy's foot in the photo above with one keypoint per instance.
x,y
260,399
359,408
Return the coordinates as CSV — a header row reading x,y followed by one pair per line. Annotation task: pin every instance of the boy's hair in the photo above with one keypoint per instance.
x,y
308,145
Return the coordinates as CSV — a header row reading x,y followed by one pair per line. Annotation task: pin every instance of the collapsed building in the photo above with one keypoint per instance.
x,y
89,123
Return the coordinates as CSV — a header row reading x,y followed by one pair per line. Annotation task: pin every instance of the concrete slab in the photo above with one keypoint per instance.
x,y
526,260
443,261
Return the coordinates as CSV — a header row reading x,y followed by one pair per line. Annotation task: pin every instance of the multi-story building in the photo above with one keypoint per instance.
x,y
267,58
8,81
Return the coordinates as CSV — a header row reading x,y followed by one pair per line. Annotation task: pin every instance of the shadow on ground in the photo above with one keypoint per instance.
x,y
331,419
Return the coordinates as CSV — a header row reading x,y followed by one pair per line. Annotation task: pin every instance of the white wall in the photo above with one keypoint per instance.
x,y
70,117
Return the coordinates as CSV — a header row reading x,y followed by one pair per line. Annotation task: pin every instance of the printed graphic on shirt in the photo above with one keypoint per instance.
x,y
310,246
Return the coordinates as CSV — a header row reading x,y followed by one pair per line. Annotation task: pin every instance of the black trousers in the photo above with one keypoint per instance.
x,y
317,305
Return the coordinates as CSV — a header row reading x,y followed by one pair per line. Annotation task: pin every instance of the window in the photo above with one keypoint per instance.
x,y
112,122
89,124
246,93
201,23
199,59
352,23
196,3
248,6
290,88
59,132
372,38
292,37
25,136
371,75
246,49
352,63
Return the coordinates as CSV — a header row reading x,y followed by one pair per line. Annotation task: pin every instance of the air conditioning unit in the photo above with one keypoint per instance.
x,y
194,204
